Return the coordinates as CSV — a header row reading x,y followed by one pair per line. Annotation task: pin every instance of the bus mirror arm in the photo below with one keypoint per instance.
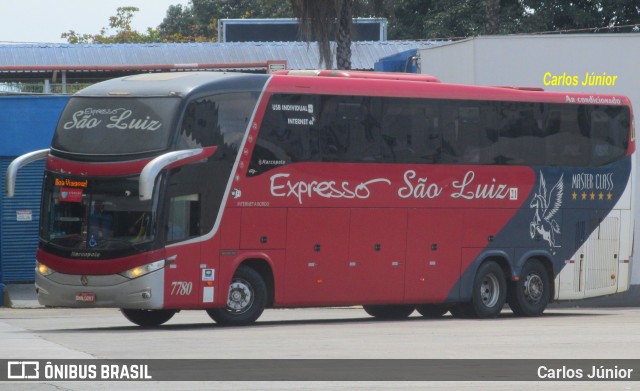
x,y
17,164
152,169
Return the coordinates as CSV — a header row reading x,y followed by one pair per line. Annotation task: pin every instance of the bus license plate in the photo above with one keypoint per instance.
x,y
86,297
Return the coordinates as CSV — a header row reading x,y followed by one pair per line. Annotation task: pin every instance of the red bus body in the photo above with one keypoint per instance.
x,y
385,235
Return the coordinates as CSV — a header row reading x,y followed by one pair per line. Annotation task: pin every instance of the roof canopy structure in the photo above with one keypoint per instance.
x,y
99,60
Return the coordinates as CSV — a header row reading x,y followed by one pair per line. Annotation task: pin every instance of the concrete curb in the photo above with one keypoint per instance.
x,y
21,296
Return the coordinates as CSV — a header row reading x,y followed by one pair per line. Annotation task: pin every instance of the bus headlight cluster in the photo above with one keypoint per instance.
x,y
140,271
44,269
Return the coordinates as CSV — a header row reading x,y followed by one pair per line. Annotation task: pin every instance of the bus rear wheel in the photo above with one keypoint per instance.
x,y
148,318
530,295
246,301
489,291
389,311
432,310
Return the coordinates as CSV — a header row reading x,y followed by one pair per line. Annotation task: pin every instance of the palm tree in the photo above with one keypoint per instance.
x,y
317,18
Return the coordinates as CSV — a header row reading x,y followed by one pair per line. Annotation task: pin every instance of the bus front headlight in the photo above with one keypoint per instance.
x,y
140,271
44,269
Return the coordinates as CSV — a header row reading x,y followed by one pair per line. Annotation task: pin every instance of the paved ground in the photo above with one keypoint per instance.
x,y
321,333
24,296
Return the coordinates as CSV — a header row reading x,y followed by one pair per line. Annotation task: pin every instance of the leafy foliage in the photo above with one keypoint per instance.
x,y
407,19
199,22
121,23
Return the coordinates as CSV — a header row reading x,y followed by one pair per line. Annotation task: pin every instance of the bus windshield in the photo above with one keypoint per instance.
x,y
107,126
85,214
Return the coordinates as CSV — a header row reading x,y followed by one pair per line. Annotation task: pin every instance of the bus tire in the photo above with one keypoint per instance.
x,y
246,301
148,318
489,291
432,310
530,295
389,311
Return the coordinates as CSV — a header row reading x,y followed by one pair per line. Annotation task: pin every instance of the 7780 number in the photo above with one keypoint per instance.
x,y
181,288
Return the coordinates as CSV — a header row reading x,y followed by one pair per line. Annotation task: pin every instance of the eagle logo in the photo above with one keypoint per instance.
x,y
547,205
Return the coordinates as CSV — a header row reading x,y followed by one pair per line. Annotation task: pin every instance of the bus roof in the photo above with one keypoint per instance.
x,y
423,86
363,75
182,84
172,84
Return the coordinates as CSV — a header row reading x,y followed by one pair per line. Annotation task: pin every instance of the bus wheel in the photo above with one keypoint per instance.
x,y
489,291
247,299
147,318
432,310
530,295
389,311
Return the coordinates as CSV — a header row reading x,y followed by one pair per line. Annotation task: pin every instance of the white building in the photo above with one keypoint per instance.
x,y
552,62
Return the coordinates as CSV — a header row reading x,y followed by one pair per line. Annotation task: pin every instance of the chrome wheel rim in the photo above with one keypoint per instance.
x,y
489,290
240,297
533,288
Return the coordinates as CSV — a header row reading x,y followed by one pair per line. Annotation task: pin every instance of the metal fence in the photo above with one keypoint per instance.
x,y
41,88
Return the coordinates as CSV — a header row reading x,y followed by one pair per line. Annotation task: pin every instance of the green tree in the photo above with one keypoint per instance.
x,y
199,21
122,31
566,15
621,13
178,24
317,19
420,19
406,18
492,14
457,19
556,15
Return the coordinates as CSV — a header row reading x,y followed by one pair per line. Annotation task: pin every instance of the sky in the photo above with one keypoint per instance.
x,y
23,21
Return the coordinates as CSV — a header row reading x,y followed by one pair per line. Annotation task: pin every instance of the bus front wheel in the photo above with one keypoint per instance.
x,y
147,318
246,301
530,295
388,311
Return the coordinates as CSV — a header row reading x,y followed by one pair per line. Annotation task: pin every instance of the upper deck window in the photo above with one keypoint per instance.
x,y
218,120
115,126
357,129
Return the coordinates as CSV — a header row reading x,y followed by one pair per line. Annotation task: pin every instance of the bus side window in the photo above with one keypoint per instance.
x,y
288,133
333,132
475,146
199,125
184,217
363,141
396,128
218,120
566,145
425,135
609,137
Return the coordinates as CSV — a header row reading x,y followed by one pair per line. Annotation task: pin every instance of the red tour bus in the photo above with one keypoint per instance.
x,y
233,193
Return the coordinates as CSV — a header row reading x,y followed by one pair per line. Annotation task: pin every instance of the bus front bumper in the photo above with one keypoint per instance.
x,y
111,291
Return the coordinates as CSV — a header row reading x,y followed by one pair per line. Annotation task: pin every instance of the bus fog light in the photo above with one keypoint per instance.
x,y
40,291
140,271
44,269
